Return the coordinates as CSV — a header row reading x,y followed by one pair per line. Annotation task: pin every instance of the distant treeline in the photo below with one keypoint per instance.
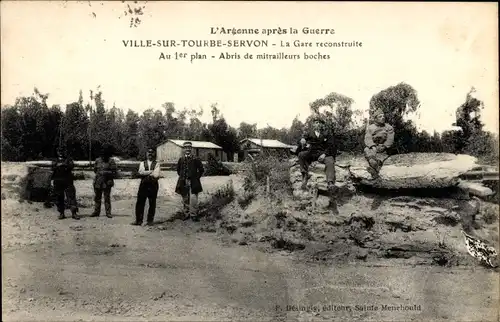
x,y
31,130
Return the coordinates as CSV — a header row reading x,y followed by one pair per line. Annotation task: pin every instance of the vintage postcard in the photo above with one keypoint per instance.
x,y
249,161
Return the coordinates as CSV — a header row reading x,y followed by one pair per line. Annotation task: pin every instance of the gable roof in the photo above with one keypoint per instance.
x,y
266,143
197,144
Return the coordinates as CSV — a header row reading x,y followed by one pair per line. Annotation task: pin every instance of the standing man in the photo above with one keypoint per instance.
x,y
190,169
318,145
62,176
149,171
105,171
379,138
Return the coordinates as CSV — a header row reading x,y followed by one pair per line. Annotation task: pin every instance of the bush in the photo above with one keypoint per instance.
x,y
215,168
483,145
246,198
490,213
211,208
262,168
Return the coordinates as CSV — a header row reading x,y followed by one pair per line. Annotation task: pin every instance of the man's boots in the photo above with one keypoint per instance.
x,y
305,178
332,203
74,214
374,168
61,215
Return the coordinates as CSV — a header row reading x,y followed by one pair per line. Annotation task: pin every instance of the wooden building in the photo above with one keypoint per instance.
x,y
171,150
251,146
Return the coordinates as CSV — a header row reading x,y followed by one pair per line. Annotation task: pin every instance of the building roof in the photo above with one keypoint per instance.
x,y
265,143
197,144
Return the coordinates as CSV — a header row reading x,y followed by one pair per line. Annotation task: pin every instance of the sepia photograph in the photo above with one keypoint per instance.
x,y
249,161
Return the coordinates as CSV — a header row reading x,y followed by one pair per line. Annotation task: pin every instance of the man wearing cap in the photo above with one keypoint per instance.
x,y
318,145
379,138
105,171
149,171
62,176
190,169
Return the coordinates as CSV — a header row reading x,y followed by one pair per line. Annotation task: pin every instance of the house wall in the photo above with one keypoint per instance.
x,y
203,154
170,152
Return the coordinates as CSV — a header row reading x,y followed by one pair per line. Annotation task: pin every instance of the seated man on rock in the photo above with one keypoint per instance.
x,y
379,138
318,145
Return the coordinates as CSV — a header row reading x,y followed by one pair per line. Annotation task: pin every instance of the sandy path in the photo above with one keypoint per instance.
x,y
98,269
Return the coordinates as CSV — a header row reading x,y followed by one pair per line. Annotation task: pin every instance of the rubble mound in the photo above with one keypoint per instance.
x,y
422,231
420,222
317,184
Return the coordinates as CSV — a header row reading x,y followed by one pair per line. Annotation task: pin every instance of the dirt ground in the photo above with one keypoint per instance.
x,y
379,259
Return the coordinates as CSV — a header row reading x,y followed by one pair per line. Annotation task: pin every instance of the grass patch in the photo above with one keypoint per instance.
x,y
267,175
490,213
245,200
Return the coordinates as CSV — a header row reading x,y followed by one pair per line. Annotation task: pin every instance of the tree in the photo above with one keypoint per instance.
x,y
152,130
116,120
101,127
247,130
295,131
339,113
396,102
215,112
53,130
449,141
74,131
12,136
33,112
130,147
172,124
468,119
222,134
272,133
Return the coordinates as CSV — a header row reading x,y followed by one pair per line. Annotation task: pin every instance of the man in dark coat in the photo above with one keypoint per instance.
x,y
318,145
190,169
149,171
62,176
105,171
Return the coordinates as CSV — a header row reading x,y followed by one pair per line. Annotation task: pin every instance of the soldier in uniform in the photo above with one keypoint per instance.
x,y
379,138
318,145
149,171
62,177
105,171
190,169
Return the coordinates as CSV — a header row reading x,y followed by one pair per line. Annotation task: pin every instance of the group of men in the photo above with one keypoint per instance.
x,y
189,169
320,144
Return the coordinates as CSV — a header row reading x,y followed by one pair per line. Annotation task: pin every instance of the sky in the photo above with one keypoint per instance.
x,y
441,49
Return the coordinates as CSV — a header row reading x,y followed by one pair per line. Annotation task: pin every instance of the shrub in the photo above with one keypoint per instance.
x,y
215,168
211,208
246,198
489,213
262,168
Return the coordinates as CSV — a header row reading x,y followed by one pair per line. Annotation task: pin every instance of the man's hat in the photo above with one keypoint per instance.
x,y
187,144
